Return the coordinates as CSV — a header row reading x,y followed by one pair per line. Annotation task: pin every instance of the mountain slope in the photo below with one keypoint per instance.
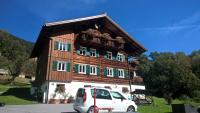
x,y
11,46
13,49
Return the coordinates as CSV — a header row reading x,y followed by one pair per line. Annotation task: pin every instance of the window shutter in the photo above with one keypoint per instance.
x,y
105,55
56,44
123,58
126,74
68,67
54,66
88,51
114,56
98,71
78,50
97,53
87,69
76,68
105,72
115,73
69,47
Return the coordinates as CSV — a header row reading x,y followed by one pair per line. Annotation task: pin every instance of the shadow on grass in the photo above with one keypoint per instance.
x,y
22,92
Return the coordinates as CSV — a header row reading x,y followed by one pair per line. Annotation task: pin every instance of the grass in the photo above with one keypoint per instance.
x,y
16,94
159,106
13,100
4,88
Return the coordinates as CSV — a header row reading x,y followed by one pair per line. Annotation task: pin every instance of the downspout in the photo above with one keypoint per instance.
x,y
50,55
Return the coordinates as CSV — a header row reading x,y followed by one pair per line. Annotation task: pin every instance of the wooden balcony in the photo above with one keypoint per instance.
x,y
99,42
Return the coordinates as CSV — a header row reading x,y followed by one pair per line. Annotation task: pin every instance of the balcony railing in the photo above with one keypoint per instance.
x,y
96,38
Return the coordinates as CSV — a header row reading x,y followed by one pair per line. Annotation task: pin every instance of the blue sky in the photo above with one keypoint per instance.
x,y
159,25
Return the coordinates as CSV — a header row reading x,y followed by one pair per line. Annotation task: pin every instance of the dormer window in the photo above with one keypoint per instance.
x,y
120,57
109,55
83,50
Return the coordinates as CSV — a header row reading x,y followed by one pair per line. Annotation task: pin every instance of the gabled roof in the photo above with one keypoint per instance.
x,y
112,26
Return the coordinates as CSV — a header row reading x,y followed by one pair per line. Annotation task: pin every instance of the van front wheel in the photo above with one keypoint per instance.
x,y
130,109
91,110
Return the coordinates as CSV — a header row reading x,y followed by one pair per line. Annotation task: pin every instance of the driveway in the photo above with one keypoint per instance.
x,y
38,108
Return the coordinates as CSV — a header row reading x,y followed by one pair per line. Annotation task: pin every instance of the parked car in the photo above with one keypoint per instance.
x,y
105,98
141,97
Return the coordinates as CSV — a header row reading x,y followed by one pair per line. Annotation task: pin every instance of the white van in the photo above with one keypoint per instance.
x,y
105,98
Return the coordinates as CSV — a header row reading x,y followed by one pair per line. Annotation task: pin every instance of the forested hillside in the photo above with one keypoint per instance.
x,y
172,75
14,53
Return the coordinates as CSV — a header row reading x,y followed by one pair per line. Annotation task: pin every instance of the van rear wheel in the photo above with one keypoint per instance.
x,y
130,109
91,110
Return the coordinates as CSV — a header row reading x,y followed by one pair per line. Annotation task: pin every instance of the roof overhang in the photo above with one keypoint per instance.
x,y
137,48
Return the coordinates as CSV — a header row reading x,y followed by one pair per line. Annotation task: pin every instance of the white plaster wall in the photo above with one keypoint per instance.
x,y
72,87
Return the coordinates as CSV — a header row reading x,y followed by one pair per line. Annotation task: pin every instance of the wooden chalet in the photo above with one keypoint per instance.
x,y
85,51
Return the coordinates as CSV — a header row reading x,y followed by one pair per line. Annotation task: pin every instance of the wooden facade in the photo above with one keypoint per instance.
x,y
69,33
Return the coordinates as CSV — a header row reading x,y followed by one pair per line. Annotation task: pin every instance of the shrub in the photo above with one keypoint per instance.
x,y
184,97
168,98
70,99
196,96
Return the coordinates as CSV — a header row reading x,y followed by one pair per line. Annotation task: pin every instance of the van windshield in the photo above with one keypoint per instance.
x,y
117,95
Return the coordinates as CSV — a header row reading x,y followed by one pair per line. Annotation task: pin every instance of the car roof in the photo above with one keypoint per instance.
x,y
97,88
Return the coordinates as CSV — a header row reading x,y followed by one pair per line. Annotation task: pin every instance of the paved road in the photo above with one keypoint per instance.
x,y
38,108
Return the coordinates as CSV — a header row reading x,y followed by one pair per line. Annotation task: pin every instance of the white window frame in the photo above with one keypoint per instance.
x,y
83,49
110,72
62,46
93,70
109,54
121,73
61,66
93,51
120,57
82,68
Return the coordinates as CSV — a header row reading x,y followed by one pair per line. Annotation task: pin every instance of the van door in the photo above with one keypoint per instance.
x,y
119,102
103,98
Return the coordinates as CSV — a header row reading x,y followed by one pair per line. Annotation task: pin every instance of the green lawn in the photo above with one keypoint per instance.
x,y
3,88
13,100
159,106
18,94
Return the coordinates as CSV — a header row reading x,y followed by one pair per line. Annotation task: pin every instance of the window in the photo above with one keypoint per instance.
x,y
109,55
93,70
92,52
101,94
120,57
121,73
62,46
110,72
117,95
60,88
83,50
82,68
61,66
